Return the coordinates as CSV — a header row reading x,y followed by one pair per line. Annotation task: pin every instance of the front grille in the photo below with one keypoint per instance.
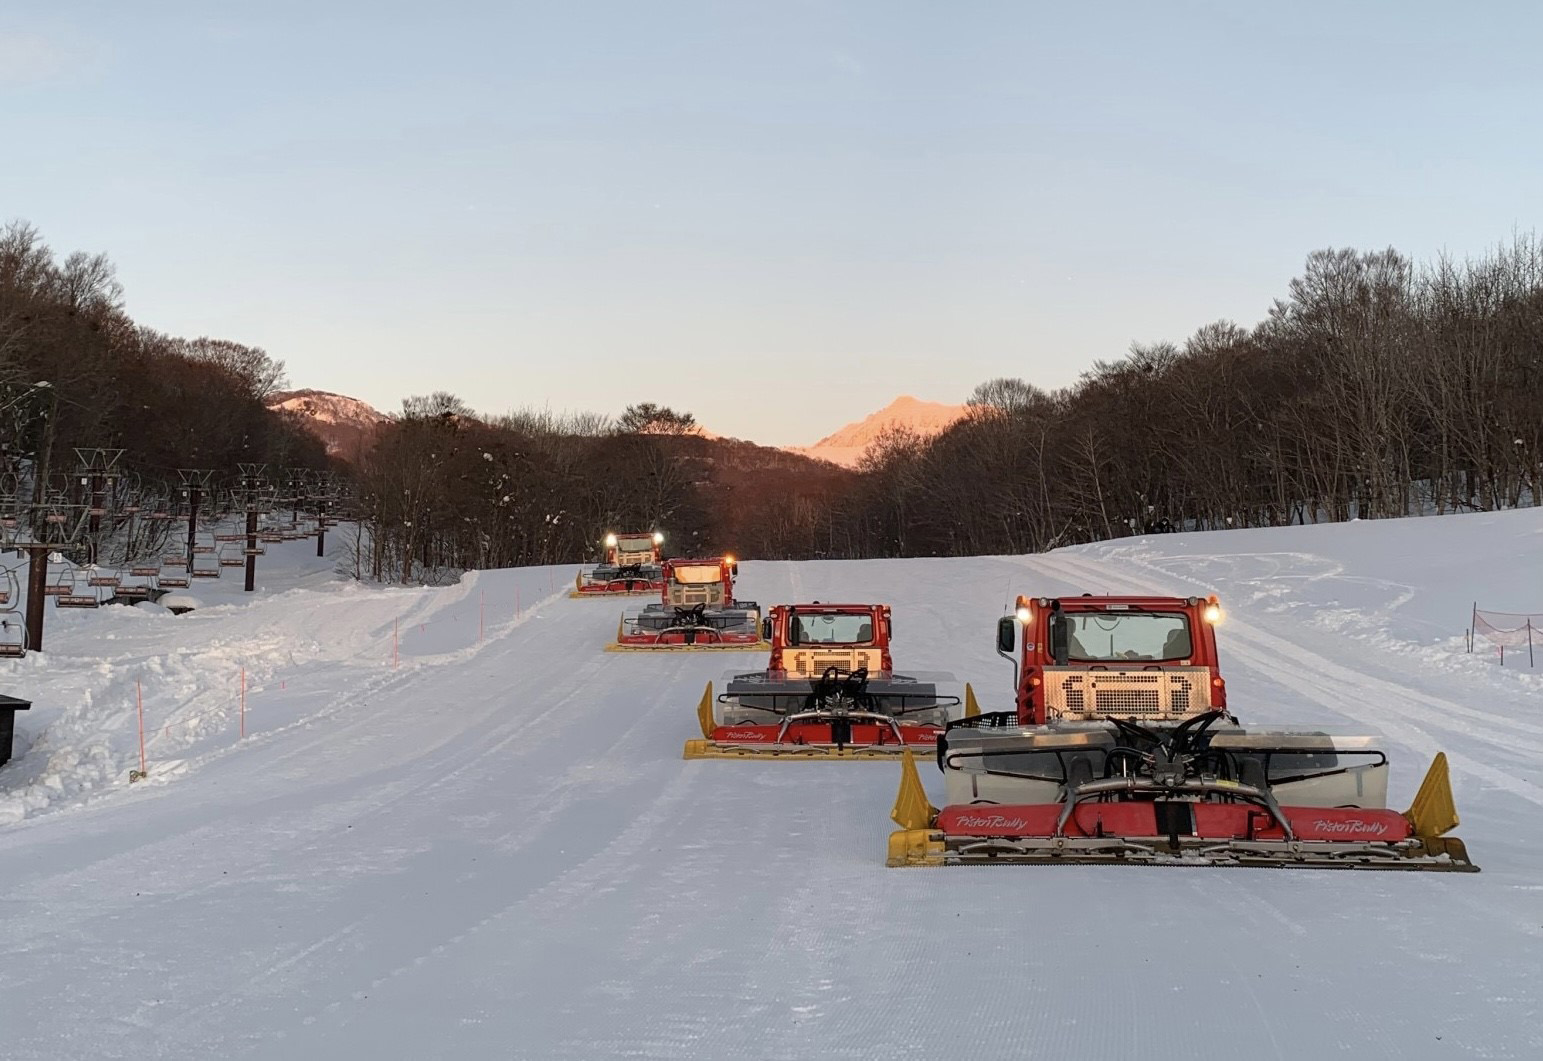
x,y
813,663
1170,693
685,595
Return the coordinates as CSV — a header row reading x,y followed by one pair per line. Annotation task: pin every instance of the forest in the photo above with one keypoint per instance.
x,y
1375,387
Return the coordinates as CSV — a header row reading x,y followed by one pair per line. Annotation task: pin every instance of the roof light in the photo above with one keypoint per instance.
x,y
658,537
610,541
1024,615
1213,613
728,559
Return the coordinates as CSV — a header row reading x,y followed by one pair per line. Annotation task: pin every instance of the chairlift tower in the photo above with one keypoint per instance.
x,y
253,486
96,476
38,530
321,497
195,485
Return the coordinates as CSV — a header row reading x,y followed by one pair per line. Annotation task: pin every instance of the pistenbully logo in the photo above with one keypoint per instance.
x,y
1351,826
989,821
745,734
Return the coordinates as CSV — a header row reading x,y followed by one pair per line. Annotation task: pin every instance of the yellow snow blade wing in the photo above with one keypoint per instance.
x,y
915,843
915,847
1433,812
912,811
704,712
971,707
578,581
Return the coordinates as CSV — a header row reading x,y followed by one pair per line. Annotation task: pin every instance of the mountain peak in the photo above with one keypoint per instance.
x,y
347,425
846,446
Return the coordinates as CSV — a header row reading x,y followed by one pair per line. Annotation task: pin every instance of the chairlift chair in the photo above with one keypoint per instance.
x,y
13,632
13,637
78,597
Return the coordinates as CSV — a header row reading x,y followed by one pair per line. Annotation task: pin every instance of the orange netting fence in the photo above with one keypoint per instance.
x,y
1504,630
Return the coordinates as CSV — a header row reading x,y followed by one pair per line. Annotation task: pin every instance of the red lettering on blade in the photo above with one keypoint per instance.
x,y
1352,827
988,821
1347,823
757,735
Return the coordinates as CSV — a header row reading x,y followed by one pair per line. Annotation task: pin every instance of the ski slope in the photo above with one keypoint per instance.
x,y
484,842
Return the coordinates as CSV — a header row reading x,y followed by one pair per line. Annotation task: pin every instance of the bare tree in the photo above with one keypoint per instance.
x,y
259,373
646,418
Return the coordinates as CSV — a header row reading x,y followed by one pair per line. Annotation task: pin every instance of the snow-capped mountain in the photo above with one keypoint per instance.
x,y
846,446
345,424
348,425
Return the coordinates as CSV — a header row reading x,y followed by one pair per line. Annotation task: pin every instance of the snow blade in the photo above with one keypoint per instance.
x,y
912,810
703,646
1433,812
1246,828
704,713
915,843
791,753
659,644
866,739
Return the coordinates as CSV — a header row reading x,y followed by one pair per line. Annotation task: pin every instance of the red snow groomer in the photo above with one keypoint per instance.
x,y
830,691
631,568
1121,751
697,611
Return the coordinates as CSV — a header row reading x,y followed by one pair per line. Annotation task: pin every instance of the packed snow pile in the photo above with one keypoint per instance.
x,y
444,823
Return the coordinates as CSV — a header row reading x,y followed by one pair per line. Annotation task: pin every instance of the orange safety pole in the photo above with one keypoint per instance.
x,y
139,697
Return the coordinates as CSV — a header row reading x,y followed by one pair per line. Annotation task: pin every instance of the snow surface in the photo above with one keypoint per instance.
x,y
490,847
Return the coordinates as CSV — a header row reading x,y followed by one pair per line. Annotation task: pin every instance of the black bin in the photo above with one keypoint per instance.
x,y
9,705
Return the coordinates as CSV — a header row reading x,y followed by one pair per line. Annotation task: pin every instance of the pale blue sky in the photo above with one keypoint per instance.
x,y
776,215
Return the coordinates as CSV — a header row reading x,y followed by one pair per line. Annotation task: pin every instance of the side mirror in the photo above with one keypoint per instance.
x,y
1007,633
793,629
766,630
734,569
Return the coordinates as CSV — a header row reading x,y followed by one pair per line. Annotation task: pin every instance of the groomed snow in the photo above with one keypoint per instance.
x,y
487,845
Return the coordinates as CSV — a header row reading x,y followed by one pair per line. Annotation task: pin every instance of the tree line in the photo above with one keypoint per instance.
x,y
76,372
1375,387
444,490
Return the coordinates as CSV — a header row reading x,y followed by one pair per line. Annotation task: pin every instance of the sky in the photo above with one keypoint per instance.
x,y
776,216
